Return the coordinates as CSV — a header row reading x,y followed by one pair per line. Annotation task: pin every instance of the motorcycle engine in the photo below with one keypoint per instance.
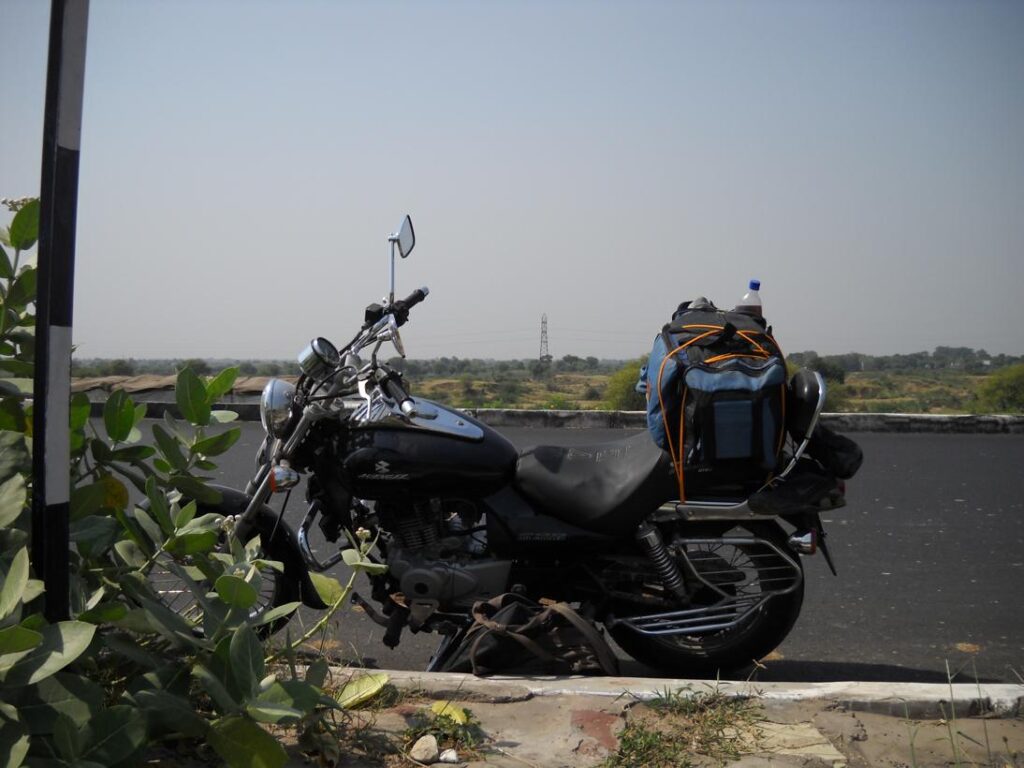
x,y
436,554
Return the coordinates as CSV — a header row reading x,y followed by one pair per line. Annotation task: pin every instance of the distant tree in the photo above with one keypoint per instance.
x,y
620,393
247,368
117,368
1003,391
199,366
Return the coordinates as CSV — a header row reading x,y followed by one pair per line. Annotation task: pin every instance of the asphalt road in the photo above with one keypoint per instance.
x,y
930,554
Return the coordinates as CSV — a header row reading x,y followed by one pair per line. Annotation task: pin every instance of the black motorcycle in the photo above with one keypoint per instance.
x,y
460,515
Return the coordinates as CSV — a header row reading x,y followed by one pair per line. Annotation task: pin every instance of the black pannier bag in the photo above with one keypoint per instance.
x,y
716,393
512,634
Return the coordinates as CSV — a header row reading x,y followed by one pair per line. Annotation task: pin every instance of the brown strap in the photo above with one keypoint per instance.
x,y
605,657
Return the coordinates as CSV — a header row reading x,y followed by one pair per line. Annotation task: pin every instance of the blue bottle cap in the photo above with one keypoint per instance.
x,y
755,285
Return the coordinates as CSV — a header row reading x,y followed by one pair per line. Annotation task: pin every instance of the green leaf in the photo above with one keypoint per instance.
x,y
17,368
71,695
185,514
316,673
140,413
81,408
170,448
95,535
15,639
218,444
24,229
223,417
195,489
33,589
115,493
23,289
105,613
247,664
354,560
221,384
14,455
133,453
190,394
191,543
15,742
6,268
214,688
65,737
130,553
14,583
271,712
169,713
149,527
295,694
236,592
13,497
278,612
361,689
118,415
62,644
114,735
86,500
241,743
328,588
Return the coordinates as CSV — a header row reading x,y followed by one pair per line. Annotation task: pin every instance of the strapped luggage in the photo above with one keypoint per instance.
x,y
513,634
716,390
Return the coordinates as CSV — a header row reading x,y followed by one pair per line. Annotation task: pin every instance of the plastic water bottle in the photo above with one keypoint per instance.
x,y
751,301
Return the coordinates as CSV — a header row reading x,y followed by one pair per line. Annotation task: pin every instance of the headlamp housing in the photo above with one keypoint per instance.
x,y
276,408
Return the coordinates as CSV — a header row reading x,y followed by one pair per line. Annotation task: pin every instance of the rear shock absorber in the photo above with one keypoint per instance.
x,y
649,537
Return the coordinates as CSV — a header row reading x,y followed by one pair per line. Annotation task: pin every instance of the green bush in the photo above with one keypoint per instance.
x,y
1003,391
620,393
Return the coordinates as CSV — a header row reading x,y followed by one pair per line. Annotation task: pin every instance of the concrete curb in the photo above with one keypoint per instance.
x,y
843,422
921,701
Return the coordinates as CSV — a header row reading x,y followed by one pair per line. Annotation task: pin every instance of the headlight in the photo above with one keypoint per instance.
x,y
276,408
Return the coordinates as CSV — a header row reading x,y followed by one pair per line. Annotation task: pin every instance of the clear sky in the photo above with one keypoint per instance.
x,y
243,163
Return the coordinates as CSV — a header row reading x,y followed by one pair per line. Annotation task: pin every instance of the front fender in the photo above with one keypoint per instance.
x,y
278,539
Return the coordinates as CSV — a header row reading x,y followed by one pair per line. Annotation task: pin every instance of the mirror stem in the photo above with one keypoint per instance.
x,y
391,295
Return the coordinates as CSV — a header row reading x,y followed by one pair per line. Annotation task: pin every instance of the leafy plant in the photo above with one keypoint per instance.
x,y
128,671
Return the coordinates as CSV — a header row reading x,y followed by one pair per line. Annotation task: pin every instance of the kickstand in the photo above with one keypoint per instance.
x,y
825,550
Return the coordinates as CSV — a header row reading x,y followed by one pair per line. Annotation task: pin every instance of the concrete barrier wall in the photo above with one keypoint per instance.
x,y
842,422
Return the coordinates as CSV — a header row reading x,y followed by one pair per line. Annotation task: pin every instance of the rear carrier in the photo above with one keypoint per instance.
x,y
716,392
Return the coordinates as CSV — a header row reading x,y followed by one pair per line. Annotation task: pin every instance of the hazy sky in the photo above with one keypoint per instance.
x,y
243,163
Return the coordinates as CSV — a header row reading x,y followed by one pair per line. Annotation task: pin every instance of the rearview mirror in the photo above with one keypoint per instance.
x,y
406,237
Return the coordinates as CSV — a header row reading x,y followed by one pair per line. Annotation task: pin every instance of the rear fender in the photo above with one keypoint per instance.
x,y
277,537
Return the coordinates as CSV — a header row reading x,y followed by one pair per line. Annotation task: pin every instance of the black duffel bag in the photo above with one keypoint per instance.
x,y
512,634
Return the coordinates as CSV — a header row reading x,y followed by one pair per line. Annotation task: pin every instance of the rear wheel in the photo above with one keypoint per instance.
x,y
750,586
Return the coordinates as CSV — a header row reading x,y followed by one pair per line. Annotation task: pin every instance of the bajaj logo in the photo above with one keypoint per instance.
x,y
382,468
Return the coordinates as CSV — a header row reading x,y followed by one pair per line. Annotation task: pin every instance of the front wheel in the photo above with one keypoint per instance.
x,y
748,584
177,595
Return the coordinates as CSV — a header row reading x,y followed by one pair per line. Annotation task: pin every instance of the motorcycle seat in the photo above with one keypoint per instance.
x,y
606,487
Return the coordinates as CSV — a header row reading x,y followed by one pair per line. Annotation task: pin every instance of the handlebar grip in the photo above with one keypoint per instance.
x,y
400,309
392,384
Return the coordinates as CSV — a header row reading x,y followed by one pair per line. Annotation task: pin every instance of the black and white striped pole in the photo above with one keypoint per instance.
x,y
58,204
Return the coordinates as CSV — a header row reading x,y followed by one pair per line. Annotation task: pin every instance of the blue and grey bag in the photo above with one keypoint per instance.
x,y
716,391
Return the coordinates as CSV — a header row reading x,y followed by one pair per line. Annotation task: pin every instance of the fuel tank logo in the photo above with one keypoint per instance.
x,y
382,471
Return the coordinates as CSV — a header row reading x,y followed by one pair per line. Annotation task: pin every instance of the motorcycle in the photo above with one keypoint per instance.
x,y
460,515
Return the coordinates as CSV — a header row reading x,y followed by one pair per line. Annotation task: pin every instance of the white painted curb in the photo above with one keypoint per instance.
x,y
916,700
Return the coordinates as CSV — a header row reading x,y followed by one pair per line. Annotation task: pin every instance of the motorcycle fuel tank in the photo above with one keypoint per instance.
x,y
444,454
